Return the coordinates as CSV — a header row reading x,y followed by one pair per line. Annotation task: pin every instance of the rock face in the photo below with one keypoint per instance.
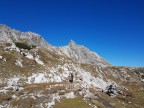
x,y
11,35
81,54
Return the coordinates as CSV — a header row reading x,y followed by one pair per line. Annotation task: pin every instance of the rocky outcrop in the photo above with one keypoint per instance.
x,y
82,54
8,34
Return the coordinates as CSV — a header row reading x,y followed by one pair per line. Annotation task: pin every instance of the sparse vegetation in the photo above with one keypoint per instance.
x,y
23,45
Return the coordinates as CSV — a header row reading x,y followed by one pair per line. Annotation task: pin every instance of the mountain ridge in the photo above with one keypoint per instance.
x,y
77,52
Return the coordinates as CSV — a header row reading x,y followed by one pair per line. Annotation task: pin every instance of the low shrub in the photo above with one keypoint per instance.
x,y
23,45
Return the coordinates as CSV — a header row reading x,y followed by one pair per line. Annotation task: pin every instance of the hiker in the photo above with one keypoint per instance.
x,y
81,79
71,77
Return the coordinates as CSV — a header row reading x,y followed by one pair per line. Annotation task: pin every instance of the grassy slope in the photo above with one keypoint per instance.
x,y
134,98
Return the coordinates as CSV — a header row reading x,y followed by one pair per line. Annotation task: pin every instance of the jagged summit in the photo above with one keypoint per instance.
x,y
81,54
72,43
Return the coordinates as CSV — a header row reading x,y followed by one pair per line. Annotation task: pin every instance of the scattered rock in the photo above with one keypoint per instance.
x,y
112,90
19,62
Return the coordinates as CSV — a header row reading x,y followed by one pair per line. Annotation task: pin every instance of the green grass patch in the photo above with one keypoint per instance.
x,y
77,102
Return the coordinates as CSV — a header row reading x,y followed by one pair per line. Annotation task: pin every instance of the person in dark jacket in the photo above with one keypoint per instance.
x,y
71,77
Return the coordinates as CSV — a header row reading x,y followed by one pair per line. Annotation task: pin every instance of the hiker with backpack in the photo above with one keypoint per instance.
x,y
71,77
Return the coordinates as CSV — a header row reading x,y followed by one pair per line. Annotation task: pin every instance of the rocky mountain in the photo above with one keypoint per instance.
x,y
83,55
35,74
11,35
76,52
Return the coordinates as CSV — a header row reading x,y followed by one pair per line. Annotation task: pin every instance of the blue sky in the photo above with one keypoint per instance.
x,y
112,28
